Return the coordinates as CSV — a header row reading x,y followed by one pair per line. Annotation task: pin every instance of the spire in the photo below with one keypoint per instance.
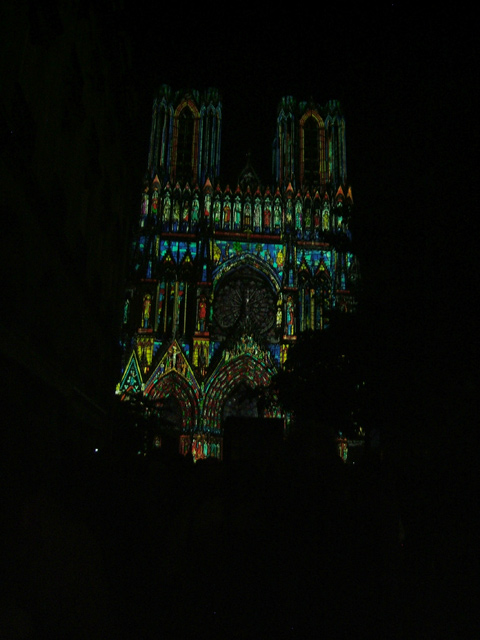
x,y
248,176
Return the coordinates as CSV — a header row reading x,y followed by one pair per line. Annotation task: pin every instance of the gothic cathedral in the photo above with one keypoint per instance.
x,y
223,278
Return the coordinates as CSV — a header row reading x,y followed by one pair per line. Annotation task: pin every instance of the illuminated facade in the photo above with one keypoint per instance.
x,y
224,278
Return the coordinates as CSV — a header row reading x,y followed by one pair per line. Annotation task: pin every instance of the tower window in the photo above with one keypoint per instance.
x,y
184,166
311,151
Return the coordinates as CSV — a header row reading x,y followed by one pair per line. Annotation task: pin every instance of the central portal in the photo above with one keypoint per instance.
x,y
241,402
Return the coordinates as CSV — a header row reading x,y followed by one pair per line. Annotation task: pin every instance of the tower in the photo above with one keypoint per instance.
x,y
309,149
185,136
224,278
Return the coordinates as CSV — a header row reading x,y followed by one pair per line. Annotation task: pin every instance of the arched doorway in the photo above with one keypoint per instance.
x,y
234,380
177,408
241,402
167,425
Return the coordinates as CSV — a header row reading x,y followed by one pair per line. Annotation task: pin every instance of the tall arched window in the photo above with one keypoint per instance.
x,y
287,154
209,144
311,151
184,159
158,139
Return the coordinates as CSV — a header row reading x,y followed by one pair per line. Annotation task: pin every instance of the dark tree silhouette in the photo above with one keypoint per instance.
x,y
137,419
323,382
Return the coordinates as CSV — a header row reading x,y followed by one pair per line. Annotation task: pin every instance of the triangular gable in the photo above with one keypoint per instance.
x,y
322,270
168,258
303,268
132,378
173,359
187,259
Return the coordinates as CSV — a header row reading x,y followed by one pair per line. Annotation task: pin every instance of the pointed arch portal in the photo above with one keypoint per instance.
x,y
172,384
245,370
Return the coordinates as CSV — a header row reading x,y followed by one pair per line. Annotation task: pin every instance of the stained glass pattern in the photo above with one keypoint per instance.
x,y
224,280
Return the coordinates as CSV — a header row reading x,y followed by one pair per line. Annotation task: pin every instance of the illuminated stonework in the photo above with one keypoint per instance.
x,y
223,279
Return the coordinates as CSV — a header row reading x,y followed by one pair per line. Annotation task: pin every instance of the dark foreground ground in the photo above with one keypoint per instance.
x,y
295,547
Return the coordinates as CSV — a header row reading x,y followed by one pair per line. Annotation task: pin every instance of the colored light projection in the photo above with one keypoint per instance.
x,y
224,280
270,256
201,447
246,363
174,377
185,134
200,406
131,381
310,215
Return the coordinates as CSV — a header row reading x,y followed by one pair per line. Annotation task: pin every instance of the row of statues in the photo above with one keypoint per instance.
x,y
237,214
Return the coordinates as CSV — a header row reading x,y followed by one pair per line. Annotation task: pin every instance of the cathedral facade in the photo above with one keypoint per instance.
x,y
224,278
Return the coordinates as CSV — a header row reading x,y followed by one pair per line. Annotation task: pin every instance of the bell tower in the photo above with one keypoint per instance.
x,y
309,146
185,136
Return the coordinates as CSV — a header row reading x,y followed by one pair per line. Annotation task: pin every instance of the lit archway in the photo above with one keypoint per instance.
x,y
252,369
172,384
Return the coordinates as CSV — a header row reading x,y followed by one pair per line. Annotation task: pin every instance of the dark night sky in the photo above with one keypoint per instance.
x,y
388,64
356,56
